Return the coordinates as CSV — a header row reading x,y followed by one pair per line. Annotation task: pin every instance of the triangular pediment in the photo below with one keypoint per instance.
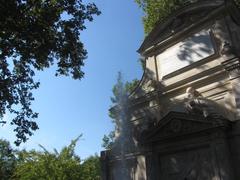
x,y
181,22
177,124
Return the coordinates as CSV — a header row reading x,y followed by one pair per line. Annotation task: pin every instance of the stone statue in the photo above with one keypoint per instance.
x,y
197,104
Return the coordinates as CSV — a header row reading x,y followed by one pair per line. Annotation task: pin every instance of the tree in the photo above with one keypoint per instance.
x,y
35,34
45,165
91,168
108,140
7,160
36,165
119,90
157,10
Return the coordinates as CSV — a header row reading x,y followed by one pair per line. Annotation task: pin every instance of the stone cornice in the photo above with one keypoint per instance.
x,y
176,124
182,21
231,64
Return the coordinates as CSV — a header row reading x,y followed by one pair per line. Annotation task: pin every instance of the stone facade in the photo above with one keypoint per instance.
x,y
168,135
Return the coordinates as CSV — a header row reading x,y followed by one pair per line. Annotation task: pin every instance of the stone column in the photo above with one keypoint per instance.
x,y
104,165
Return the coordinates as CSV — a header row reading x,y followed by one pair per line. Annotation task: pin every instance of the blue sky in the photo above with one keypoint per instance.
x,y
68,107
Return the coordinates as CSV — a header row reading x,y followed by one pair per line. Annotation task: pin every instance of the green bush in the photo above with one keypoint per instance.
x,y
63,165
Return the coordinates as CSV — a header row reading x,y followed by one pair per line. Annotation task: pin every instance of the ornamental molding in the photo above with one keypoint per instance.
x,y
231,64
176,125
183,20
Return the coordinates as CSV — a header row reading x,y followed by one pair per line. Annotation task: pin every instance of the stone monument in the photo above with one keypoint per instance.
x,y
183,119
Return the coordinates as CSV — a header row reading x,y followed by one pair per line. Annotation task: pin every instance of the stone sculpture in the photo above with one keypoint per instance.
x,y
198,105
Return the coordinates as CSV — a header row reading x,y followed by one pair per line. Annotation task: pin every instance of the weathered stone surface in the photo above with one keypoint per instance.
x,y
170,136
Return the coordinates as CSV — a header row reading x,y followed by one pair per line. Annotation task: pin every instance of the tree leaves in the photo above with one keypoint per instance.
x,y
120,91
91,168
7,160
35,34
157,10
63,165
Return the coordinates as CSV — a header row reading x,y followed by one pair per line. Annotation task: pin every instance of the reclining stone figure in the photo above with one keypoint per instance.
x,y
198,105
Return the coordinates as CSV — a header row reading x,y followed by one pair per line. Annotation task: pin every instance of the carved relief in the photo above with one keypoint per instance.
x,y
227,36
182,19
198,105
178,23
178,127
227,48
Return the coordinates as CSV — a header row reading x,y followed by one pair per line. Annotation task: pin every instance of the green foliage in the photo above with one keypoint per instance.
x,y
91,168
121,88
35,34
108,140
120,91
35,165
157,10
130,86
45,165
7,160
142,62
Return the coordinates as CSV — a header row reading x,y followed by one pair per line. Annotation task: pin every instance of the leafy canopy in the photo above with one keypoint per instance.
x,y
35,34
63,165
91,168
45,165
157,10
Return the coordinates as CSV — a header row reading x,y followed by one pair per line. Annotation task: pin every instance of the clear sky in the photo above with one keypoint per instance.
x,y
68,107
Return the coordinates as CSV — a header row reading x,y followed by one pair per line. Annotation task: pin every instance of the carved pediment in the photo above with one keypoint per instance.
x,y
180,21
176,124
